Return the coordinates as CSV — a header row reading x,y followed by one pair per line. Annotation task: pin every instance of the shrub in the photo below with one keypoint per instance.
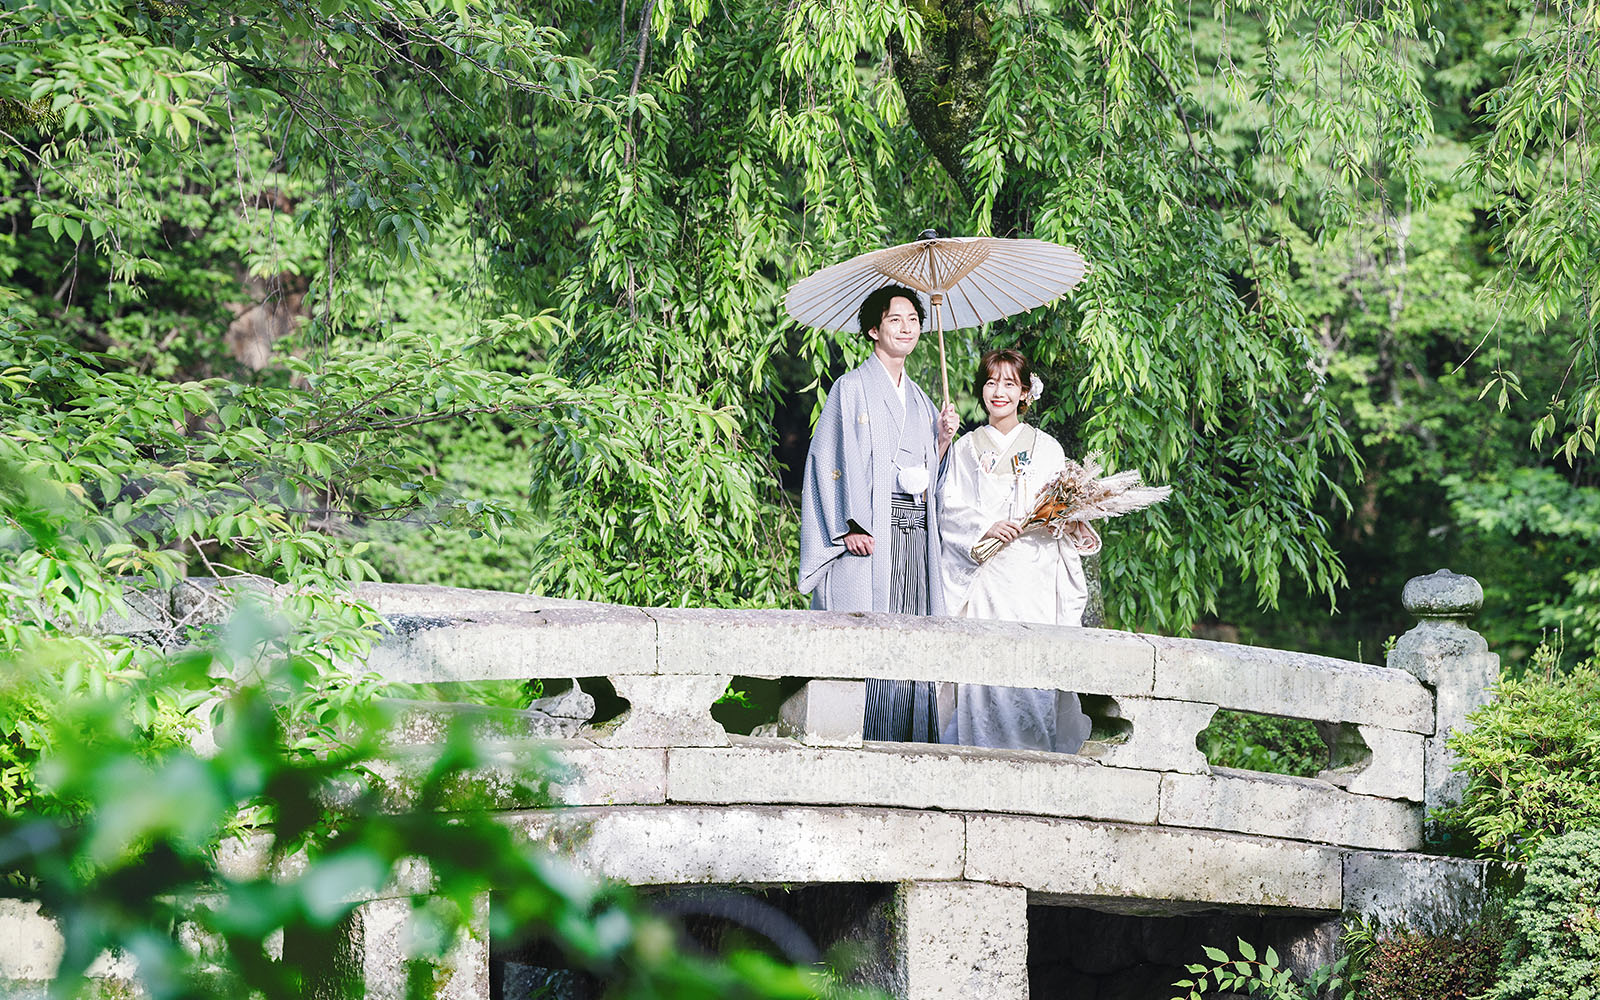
x,y
1264,743
1554,951
121,840
1411,966
1533,760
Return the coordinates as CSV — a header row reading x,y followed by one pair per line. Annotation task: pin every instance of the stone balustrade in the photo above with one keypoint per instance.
x,y
662,794
671,665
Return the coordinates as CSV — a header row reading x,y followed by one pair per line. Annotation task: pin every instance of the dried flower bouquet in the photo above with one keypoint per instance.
x,y
1079,494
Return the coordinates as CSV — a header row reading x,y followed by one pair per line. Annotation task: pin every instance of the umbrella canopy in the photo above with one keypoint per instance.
x,y
981,279
972,280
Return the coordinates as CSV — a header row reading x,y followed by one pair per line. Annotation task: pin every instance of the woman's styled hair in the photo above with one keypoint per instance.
x,y
877,304
988,368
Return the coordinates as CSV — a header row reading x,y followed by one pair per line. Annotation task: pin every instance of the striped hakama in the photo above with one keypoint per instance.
x,y
905,711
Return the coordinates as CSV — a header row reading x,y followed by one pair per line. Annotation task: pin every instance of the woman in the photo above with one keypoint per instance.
x,y
994,474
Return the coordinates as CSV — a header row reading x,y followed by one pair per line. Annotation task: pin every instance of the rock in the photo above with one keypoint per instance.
x,y
666,845
825,713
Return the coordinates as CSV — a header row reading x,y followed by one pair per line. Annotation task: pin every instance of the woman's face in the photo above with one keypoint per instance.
x,y
1002,392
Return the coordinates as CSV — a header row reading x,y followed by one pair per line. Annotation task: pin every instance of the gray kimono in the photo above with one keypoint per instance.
x,y
861,441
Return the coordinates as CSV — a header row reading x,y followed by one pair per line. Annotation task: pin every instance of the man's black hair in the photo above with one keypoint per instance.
x,y
877,304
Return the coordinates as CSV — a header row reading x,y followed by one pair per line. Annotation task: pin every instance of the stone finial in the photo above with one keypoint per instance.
x,y
1442,594
1442,602
1447,656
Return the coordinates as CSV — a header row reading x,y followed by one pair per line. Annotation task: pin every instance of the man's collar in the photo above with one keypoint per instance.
x,y
892,380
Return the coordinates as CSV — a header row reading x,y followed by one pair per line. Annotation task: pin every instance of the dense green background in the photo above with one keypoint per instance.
x,y
490,296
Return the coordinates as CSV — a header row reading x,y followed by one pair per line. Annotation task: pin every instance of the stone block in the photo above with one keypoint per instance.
x,y
825,713
666,710
428,601
202,600
31,949
370,956
961,940
419,723
141,612
913,777
1442,652
856,645
1442,594
665,845
1156,869
1426,893
1459,688
1392,768
1162,738
1435,650
1294,685
244,856
532,774
1276,805
602,640
593,776
30,945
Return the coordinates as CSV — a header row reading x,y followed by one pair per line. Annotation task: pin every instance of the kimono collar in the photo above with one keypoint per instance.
x,y
1003,441
899,388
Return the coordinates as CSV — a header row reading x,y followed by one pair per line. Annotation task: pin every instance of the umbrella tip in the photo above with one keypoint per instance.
x,y
928,234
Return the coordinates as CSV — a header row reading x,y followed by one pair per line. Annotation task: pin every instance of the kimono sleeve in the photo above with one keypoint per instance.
x,y
837,486
962,520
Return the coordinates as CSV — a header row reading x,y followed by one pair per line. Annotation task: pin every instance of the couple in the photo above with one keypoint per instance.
x,y
890,513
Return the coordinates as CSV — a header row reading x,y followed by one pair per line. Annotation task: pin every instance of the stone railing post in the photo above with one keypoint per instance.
x,y
959,940
368,956
1450,659
825,713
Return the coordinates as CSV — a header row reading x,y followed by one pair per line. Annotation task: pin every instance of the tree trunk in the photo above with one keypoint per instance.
x,y
945,83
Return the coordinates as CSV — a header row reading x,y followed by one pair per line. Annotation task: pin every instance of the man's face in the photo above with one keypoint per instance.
x,y
899,330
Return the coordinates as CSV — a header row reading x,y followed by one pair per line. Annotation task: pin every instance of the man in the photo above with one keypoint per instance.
x,y
869,507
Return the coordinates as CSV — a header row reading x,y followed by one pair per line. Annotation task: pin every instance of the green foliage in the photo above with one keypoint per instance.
x,y
1544,525
1377,964
125,843
658,182
1408,342
1263,743
1279,321
1257,975
1185,255
1532,758
1535,160
1554,951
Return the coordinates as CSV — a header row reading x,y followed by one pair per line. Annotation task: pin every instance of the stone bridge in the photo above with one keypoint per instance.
x,y
969,848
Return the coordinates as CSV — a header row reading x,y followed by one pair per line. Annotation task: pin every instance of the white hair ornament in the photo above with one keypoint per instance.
x,y
1035,388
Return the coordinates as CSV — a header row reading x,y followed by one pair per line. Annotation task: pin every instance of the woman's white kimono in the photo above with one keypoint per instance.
x,y
1036,578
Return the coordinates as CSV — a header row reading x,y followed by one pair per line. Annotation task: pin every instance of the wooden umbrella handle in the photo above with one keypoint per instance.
x,y
944,367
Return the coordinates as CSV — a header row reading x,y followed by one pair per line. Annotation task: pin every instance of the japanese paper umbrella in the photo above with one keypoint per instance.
x,y
977,279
